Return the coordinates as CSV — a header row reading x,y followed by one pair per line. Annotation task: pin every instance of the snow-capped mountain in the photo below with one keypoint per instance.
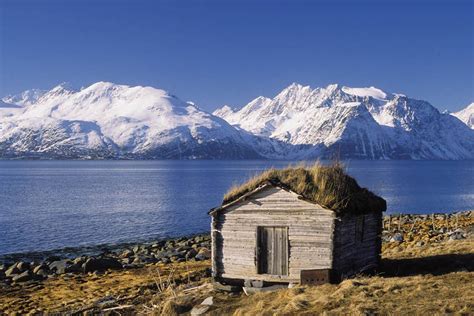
x,y
466,115
107,120
365,123
111,121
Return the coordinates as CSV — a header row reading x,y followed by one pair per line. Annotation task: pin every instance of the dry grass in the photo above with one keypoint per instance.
x,y
327,185
436,279
436,284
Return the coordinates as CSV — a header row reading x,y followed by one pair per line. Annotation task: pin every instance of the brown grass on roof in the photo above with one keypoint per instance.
x,y
327,185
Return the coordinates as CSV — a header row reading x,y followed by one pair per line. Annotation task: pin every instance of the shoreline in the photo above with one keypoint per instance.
x,y
412,229
104,248
420,253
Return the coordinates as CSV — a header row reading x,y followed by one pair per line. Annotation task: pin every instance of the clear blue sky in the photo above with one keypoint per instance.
x,y
228,52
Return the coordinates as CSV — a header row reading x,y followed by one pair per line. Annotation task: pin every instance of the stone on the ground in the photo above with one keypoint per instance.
x,y
59,266
13,270
23,266
203,254
126,254
208,301
398,237
101,264
23,277
199,310
225,287
191,253
40,267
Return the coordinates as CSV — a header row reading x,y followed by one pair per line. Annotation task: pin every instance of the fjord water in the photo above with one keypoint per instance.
x,y
53,204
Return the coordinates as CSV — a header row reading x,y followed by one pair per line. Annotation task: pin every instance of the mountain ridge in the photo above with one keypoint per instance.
x,y
113,121
402,128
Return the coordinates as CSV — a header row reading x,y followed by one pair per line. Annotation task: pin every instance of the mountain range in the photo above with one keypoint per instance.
x,y
111,121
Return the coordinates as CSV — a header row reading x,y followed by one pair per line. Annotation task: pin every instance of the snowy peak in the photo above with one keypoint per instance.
x,y
111,120
357,122
25,98
108,120
466,115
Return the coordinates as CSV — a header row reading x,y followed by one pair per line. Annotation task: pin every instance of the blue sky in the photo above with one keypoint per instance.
x,y
228,52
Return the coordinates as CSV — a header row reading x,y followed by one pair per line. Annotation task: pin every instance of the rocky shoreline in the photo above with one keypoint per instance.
x,y
404,229
16,268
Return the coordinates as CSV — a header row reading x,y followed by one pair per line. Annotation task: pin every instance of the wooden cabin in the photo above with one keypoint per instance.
x,y
298,225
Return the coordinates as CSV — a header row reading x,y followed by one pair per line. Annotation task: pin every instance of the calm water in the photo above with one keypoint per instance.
x,y
53,204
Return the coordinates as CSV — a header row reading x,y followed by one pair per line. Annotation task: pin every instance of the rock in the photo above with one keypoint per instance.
x,y
23,277
79,260
456,236
203,254
126,254
127,260
225,287
199,310
13,270
191,253
73,268
420,243
23,266
40,267
251,290
257,283
101,264
398,237
42,273
59,266
208,301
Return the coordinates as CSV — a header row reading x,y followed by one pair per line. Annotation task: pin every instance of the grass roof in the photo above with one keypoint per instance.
x,y
326,185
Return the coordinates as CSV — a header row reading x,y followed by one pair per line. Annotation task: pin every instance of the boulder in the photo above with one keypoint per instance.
x,y
43,273
79,260
23,277
73,268
203,254
191,253
398,237
208,301
101,264
126,253
225,287
59,266
40,267
199,310
23,266
13,270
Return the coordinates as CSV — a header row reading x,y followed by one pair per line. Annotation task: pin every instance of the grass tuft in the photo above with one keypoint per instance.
x,y
327,185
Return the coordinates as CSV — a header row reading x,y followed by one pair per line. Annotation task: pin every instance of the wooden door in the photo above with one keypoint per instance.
x,y
272,250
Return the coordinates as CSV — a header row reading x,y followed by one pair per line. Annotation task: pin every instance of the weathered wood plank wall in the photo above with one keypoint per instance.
x,y
354,251
310,233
